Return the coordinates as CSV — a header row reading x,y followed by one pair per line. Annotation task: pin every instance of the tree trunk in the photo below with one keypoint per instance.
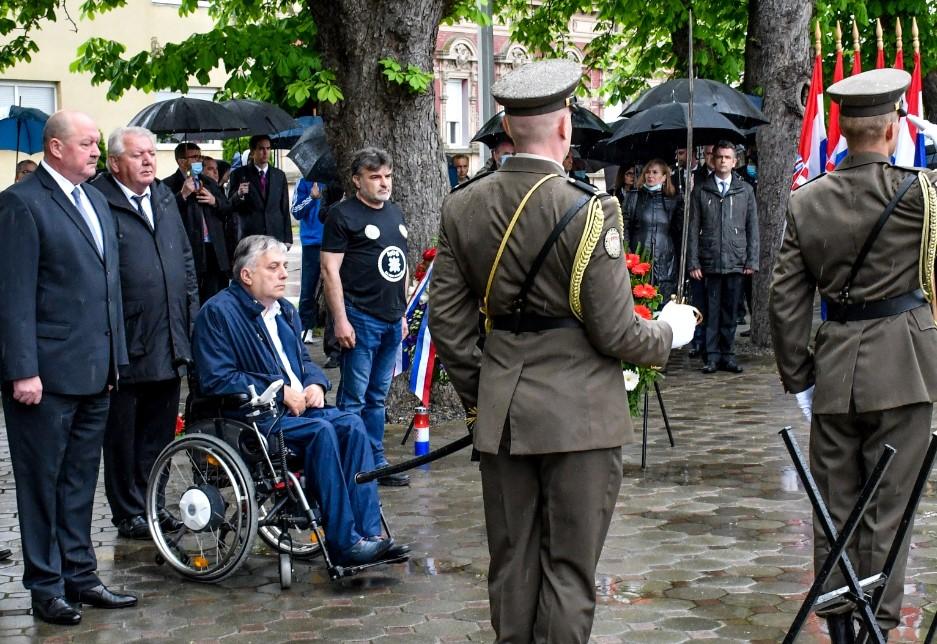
x,y
353,36
780,59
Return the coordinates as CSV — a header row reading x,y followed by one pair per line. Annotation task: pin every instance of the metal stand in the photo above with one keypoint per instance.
x,y
663,411
856,590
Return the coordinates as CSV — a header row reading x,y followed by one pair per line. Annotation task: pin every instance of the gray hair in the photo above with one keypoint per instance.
x,y
370,158
115,142
250,249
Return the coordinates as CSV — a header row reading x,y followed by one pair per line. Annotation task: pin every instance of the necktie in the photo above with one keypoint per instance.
x,y
138,201
263,183
93,225
723,187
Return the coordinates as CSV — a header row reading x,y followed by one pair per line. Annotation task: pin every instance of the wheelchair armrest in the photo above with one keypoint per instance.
x,y
201,407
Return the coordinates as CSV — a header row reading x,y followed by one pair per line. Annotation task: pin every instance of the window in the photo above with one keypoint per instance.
x,y
38,95
456,112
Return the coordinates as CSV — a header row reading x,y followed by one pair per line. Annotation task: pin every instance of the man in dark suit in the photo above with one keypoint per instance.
x,y
205,213
160,300
260,195
61,341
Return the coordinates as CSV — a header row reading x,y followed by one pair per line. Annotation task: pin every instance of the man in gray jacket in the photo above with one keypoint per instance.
x,y
722,247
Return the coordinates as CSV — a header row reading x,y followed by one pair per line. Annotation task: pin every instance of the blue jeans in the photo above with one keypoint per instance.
x,y
309,280
335,447
367,369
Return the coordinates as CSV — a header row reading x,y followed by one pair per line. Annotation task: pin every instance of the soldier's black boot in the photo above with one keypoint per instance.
x,y
841,629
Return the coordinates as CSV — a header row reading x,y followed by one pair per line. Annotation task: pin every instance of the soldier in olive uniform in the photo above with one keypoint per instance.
x,y
874,365
552,408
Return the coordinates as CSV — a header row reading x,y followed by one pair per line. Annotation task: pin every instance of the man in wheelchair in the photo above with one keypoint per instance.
x,y
249,334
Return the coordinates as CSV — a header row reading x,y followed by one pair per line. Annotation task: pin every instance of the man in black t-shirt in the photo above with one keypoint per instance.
x,y
364,271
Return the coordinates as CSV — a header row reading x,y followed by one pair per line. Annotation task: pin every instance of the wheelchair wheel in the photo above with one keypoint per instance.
x,y
303,544
200,507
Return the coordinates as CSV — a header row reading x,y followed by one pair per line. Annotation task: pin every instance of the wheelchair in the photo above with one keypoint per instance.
x,y
214,489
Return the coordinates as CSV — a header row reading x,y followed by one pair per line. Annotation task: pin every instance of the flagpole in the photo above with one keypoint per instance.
x,y
856,56
690,154
880,44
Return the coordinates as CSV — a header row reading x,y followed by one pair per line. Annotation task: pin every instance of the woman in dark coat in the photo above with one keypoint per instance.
x,y
654,222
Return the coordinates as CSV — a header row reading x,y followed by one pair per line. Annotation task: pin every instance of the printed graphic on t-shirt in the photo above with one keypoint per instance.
x,y
392,264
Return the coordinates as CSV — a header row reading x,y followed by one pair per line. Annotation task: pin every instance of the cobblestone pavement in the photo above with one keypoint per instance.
x,y
711,541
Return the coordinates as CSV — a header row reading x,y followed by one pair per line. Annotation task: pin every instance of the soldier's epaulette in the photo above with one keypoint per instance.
x,y
586,187
909,168
480,175
809,181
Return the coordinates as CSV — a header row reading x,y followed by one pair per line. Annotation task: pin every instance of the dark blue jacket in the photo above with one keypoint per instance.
x,y
233,350
306,210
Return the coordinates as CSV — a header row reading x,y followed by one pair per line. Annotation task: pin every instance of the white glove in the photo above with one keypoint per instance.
x,y
926,128
805,402
682,320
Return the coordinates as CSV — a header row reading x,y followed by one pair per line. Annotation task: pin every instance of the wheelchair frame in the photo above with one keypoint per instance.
x,y
224,484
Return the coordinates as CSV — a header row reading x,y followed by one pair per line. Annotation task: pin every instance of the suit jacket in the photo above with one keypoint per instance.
x,y
160,290
62,318
262,215
174,181
215,217
561,389
874,364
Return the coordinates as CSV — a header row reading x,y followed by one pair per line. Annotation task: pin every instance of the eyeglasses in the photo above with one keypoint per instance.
x,y
190,157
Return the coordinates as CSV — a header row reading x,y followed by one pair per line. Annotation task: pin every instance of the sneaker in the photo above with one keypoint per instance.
x,y
331,363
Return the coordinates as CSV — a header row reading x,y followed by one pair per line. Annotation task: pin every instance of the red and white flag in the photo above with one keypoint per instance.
x,y
810,161
836,144
910,148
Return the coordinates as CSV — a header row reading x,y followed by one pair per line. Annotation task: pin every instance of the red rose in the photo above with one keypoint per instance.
x,y
641,268
645,291
429,254
632,260
419,273
642,311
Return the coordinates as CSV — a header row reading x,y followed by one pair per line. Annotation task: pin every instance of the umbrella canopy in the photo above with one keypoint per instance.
x,y
22,130
731,103
660,130
285,139
260,117
313,155
180,118
587,128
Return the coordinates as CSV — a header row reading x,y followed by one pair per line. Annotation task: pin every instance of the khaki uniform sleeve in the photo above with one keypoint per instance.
x,y
790,309
608,306
453,321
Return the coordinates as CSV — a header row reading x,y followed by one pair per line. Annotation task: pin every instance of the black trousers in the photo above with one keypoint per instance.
x,y
55,448
722,304
309,283
142,421
211,279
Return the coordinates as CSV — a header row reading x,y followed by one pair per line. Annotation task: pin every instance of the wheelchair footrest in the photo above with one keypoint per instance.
x,y
337,572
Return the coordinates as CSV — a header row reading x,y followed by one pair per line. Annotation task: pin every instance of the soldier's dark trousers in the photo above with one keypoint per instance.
x,y
843,450
547,517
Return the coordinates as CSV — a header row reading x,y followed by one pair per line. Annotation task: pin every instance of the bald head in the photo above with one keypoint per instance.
x,y
70,142
545,134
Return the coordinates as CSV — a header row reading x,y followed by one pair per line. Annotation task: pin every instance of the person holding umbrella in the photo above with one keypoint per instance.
x,y
653,215
260,194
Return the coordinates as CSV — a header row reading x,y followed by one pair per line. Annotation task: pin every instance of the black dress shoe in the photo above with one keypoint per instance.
x,y
100,597
394,480
709,367
167,522
5,553
134,528
331,363
56,610
731,366
397,550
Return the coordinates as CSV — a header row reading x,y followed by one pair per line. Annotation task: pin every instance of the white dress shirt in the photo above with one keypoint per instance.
x,y
145,203
270,321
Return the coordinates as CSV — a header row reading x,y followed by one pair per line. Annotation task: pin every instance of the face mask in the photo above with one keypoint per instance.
x,y
196,168
752,171
654,188
579,174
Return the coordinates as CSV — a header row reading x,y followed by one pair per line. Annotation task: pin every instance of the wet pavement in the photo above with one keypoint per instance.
x,y
711,542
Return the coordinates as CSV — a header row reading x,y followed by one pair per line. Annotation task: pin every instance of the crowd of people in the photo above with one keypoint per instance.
x,y
131,283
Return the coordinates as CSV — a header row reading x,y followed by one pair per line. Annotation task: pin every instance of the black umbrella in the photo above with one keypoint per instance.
x,y
313,155
587,129
183,117
660,130
260,117
731,103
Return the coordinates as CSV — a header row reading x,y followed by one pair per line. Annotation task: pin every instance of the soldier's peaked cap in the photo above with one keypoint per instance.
x,y
538,88
870,93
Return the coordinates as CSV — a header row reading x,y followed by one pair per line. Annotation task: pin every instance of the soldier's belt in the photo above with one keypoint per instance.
x,y
838,312
532,323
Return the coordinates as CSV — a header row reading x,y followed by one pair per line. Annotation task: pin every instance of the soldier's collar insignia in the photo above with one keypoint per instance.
x,y
613,243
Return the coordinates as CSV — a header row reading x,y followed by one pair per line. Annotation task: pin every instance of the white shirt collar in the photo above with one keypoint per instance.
x,y
130,193
67,186
528,155
272,311
262,169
